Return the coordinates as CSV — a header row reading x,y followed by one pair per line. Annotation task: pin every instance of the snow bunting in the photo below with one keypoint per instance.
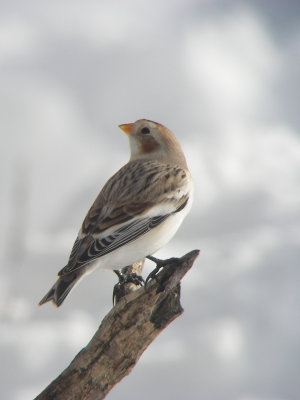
x,y
137,212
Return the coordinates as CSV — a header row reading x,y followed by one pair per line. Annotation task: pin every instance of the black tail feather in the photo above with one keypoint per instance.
x,y
60,289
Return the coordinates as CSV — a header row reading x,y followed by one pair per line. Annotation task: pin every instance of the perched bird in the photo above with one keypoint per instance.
x,y
137,212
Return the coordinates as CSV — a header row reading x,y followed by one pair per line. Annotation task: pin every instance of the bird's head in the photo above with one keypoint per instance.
x,y
151,140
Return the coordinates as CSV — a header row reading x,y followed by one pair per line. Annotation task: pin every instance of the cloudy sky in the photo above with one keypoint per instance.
x,y
224,77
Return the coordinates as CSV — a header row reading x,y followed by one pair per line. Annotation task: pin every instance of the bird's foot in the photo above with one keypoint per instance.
x,y
120,288
159,264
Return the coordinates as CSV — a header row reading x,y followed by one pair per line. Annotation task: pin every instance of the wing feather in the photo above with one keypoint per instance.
x,y
112,223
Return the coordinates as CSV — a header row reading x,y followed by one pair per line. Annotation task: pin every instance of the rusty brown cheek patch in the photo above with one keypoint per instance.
x,y
149,144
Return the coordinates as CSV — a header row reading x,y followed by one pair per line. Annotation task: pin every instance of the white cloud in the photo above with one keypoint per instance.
x,y
231,59
41,341
18,38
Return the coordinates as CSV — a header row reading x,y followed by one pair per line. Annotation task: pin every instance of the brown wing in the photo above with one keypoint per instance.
x,y
130,192
111,221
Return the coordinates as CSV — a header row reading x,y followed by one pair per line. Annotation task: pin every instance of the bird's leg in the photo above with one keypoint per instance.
x,y
159,264
119,275
156,260
118,290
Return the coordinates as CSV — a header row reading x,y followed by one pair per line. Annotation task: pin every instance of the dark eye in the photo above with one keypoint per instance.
x,y
145,130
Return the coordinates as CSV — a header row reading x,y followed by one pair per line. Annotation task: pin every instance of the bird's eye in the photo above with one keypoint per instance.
x,y
145,130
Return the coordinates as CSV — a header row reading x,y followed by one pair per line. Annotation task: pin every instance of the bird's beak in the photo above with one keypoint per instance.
x,y
127,128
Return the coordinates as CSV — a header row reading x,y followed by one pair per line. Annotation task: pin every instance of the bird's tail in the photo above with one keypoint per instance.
x,y
60,289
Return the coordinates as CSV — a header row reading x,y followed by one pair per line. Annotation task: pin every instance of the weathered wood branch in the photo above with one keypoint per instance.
x,y
123,336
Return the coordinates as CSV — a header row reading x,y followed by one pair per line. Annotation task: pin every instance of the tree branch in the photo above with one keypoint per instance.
x,y
123,336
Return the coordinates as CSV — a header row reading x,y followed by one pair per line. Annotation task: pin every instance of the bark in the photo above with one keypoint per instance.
x,y
123,336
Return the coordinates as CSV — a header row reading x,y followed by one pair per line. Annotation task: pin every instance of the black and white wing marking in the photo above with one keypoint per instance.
x,y
89,248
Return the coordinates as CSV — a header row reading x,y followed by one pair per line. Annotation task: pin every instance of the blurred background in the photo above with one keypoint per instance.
x,y
224,77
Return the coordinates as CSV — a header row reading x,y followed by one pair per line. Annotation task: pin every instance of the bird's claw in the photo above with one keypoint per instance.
x,y
153,274
119,288
159,264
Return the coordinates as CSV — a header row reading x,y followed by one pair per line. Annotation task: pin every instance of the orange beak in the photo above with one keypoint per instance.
x,y
127,128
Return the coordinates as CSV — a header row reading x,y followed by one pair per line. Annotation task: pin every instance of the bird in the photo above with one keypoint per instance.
x,y
137,212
